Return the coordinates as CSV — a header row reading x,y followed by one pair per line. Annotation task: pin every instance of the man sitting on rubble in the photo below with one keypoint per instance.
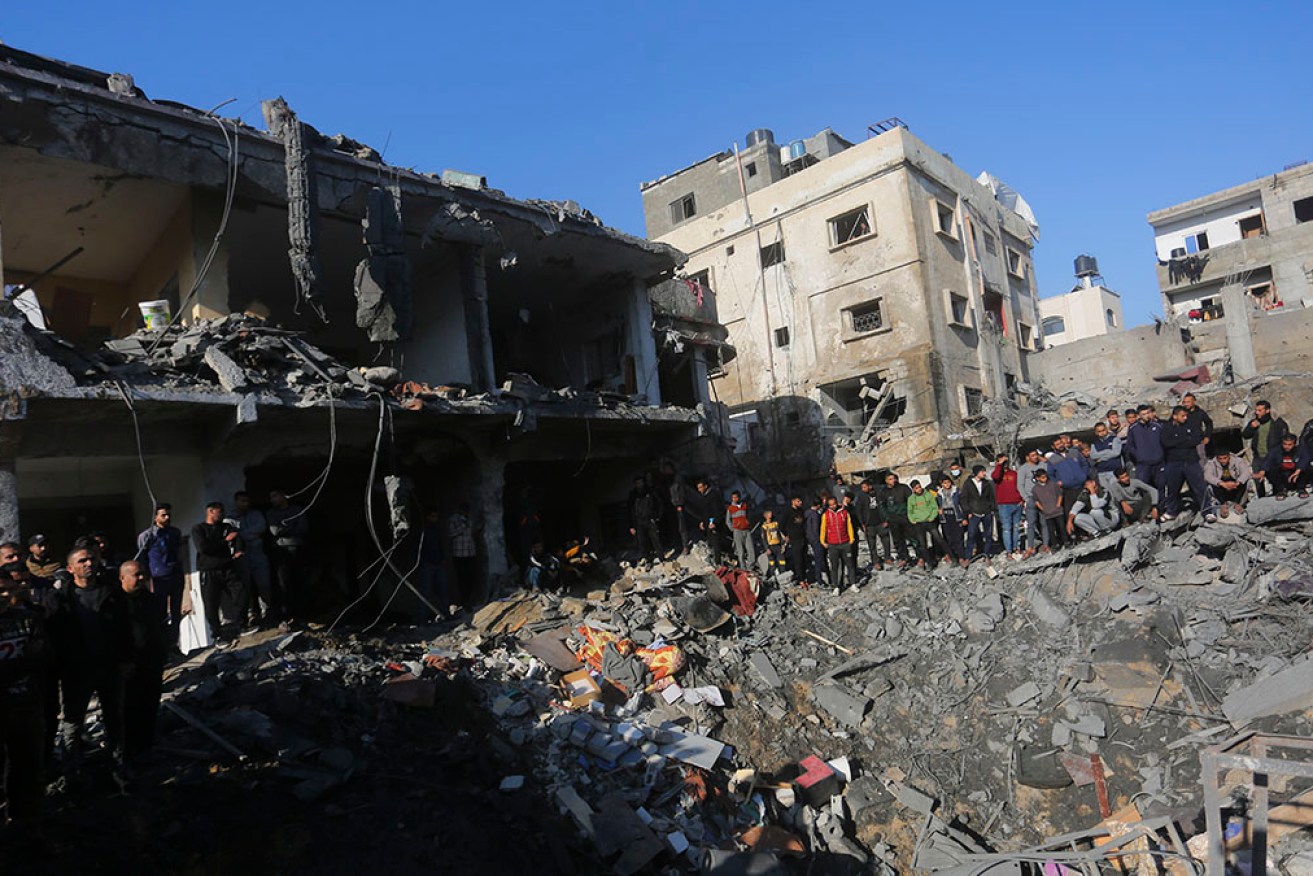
x,y
1286,468
740,527
1137,500
1105,454
40,562
837,535
1094,511
216,545
1228,479
1181,440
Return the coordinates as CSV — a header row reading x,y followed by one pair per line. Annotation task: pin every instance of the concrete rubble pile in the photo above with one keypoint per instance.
x,y
929,720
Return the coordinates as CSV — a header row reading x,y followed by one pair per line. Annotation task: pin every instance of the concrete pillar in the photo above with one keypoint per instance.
x,y
1239,332
489,508
212,297
701,383
642,345
9,529
221,476
478,333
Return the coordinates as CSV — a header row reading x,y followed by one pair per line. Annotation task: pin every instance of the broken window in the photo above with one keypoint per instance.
x,y
945,220
1196,242
974,401
995,317
782,336
1251,226
1264,295
1016,263
853,225
959,309
1026,336
1303,210
866,317
1053,326
751,168
772,254
702,280
859,404
684,208
745,431
991,244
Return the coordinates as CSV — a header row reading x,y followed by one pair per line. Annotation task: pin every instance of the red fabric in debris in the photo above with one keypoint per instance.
x,y
742,593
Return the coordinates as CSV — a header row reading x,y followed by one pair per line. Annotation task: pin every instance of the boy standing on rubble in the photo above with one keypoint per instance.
x,y
773,542
740,527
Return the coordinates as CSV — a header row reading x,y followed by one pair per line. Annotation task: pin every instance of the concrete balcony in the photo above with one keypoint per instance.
x,y
680,300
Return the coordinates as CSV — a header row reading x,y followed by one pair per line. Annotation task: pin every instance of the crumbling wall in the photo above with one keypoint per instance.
x,y
383,293
302,201
23,370
1128,358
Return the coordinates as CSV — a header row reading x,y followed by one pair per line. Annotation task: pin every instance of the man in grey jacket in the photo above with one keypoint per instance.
x,y
1094,511
1136,499
1026,487
1228,479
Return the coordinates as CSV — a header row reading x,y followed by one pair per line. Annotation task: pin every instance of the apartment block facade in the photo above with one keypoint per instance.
x,y
875,293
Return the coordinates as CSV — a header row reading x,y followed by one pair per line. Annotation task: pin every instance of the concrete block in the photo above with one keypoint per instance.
x,y
1047,611
1023,694
761,663
845,707
1270,509
1289,690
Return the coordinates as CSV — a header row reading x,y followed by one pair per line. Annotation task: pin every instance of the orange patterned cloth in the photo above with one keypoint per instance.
x,y
663,662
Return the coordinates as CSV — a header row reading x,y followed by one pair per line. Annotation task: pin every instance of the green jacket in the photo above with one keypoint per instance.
x,y
923,508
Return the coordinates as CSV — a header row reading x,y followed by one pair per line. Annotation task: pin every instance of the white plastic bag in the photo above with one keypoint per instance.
x,y
194,633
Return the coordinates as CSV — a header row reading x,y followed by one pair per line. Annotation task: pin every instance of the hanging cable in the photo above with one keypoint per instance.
x,y
368,590
136,428
322,478
204,269
395,590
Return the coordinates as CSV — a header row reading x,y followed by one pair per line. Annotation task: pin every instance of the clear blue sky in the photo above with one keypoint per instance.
x,y
1096,113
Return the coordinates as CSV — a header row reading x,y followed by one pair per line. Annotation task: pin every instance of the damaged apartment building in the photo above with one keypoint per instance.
x,y
398,341
876,295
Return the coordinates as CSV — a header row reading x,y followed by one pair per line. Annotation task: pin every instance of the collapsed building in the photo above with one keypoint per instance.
x,y
321,318
876,295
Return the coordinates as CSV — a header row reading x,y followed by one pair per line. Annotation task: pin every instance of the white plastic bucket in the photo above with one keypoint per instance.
x,y
155,313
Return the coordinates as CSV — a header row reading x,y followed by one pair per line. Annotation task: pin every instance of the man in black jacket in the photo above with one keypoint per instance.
x,y
1198,417
141,661
978,504
893,518
86,628
867,507
704,508
1287,467
794,527
24,655
215,542
1181,440
645,520
1264,434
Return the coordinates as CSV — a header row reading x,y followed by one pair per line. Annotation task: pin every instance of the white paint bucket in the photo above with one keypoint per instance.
x,y
155,313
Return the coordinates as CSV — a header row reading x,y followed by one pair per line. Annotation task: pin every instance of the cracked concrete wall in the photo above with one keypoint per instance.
x,y
9,519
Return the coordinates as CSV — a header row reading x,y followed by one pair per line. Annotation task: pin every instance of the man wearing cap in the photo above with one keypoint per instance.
x,y
40,564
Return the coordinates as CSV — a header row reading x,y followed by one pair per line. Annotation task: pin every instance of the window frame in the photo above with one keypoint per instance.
x,y
832,228
968,320
1044,333
683,208
936,206
991,243
850,313
1307,205
966,395
1020,270
776,245
1025,335
1194,240
782,338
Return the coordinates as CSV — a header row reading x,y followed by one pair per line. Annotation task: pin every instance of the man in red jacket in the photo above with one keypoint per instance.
x,y
1010,505
837,534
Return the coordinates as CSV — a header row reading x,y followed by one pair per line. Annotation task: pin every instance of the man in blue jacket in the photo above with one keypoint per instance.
x,y
1286,468
1069,468
1145,448
1106,454
1181,439
157,548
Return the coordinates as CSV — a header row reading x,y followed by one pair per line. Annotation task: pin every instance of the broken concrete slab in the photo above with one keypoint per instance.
x,y
846,707
762,665
1269,509
232,377
1289,690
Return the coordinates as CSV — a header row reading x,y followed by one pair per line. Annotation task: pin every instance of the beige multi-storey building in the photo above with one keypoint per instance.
x,y
1087,310
876,294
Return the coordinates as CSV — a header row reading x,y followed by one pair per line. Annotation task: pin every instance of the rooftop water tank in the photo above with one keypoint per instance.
x,y
760,135
1087,266
797,149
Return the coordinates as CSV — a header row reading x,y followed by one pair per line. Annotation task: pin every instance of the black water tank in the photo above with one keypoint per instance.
x,y
760,135
1087,266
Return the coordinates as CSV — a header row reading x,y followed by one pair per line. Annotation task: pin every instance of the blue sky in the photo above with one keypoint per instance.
x,y
1096,113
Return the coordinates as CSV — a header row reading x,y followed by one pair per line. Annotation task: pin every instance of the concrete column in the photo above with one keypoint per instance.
x,y
642,345
9,529
478,333
1239,332
212,297
701,383
490,505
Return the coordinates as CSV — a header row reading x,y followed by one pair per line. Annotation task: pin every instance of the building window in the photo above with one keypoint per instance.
x,y
1303,210
991,244
1111,317
772,254
1026,336
866,318
1251,226
685,208
782,336
751,168
945,218
729,250
1053,326
973,401
1196,242
1264,296
853,225
1016,264
959,309
702,279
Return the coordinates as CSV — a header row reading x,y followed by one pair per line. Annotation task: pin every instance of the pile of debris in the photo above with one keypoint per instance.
x,y
926,720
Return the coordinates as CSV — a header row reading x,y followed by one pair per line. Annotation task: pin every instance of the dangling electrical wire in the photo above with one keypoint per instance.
x,y
322,478
136,428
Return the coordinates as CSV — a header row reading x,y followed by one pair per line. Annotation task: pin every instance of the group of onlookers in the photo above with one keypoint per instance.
x,y
1137,468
